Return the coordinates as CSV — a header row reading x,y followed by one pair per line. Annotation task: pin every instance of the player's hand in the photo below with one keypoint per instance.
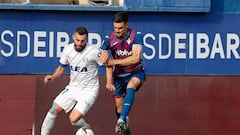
x,y
110,87
104,57
111,62
47,78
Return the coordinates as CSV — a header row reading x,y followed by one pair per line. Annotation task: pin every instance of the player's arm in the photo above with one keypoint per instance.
x,y
133,59
57,73
104,56
109,72
109,76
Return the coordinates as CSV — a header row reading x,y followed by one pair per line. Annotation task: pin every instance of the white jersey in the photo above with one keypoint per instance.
x,y
83,65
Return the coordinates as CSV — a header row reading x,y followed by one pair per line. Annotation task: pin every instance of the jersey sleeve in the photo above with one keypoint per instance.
x,y
96,56
105,43
63,59
138,39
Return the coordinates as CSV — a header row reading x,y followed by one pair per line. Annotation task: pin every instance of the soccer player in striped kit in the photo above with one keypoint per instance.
x,y
82,91
125,73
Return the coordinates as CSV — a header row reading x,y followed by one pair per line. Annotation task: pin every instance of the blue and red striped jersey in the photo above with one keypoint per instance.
x,y
122,48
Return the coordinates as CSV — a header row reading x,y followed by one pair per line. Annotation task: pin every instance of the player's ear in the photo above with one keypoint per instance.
x,y
73,36
126,24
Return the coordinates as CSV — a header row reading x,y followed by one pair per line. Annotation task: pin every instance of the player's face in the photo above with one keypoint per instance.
x,y
79,41
120,29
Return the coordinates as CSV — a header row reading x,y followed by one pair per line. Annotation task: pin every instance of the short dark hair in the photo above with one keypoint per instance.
x,y
121,17
81,30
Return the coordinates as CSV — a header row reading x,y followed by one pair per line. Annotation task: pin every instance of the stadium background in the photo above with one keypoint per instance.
x,y
187,91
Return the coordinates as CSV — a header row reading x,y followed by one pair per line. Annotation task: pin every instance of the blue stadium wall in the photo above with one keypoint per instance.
x,y
191,56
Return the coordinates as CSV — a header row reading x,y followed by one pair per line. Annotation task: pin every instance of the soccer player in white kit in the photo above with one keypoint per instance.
x,y
83,88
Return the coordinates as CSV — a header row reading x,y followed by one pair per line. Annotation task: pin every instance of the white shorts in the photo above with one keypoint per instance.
x,y
80,98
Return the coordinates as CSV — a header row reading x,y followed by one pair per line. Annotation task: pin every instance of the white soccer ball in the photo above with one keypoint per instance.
x,y
84,131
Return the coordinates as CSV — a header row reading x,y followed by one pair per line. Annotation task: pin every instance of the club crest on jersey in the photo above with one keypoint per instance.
x,y
129,41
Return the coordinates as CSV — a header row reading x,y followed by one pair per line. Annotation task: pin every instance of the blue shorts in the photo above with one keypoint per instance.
x,y
121,82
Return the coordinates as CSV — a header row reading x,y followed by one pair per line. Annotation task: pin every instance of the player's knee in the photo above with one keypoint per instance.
x,y
73,119
134,83
74,116
55,109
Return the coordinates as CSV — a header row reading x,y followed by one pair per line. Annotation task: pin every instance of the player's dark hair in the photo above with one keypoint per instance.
x,y
121,17
81,30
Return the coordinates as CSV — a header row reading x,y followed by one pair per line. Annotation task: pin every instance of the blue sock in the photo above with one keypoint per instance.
x,y
127,103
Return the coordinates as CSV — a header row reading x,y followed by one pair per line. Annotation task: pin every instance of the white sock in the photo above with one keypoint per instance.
x,y
48,124
80,123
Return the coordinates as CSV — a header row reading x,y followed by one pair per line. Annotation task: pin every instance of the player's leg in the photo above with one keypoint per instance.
x,y
61,102
119,126
134,83
76,118
130,97
119,93
122,123
85,100
118,104
49,120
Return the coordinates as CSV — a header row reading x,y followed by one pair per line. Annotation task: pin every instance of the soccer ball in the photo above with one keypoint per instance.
x,y
84,131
